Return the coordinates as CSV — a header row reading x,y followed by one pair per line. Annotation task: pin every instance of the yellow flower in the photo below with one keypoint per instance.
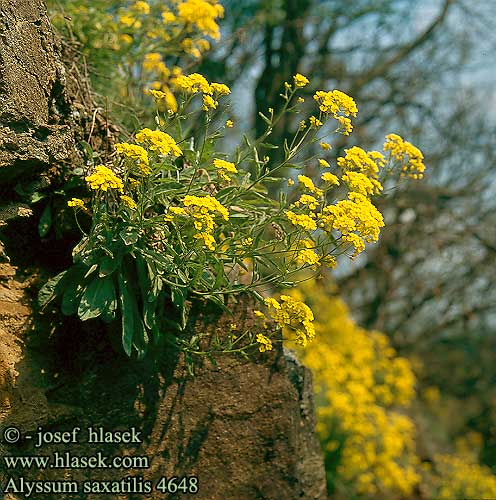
x,y
167,97
308,184
265,344
335,102
325,146
137,153
202,14
168,17
225,165
159,141
294,317
290,182
220,88
247,242
315,122
300,80
302,220
141,7
411,157
360,183
128,201
229,124
330,178
76,203
209,103
323,163
103,179
192,84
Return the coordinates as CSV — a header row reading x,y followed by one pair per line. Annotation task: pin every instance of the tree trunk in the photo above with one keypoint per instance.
x,y
245,428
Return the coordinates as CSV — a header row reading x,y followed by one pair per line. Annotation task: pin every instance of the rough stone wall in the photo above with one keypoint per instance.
x,y
36,126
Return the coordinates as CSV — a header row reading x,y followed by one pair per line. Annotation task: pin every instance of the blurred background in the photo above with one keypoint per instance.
x,y
405,362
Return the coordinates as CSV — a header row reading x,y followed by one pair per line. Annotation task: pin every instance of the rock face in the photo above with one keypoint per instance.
x,y
245,428
35,117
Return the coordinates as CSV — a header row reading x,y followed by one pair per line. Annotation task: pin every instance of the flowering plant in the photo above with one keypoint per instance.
x,y
174,221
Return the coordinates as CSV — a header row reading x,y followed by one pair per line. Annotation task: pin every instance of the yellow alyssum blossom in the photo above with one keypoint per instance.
x,y
323,163
354,373
128,201
193,83
202,14
356,214
173,212
103,179
137,153
208,202
330,178
265,344
168,17
220,88
290,182
410,156
76,203
229,124
189,47
357,159
315,122
129,21
335,102
167,97
141,7
225,165
302,220
300,80
308,200
356,241
209,103
308,184
360,183
159,141
306,253
325,146
345,126
247,242
294,317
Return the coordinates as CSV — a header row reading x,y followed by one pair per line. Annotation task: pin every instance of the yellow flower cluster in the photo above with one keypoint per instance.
x,y
265,344
307,183
137,153
202,210
411,157
359,381
75,203
458,478
203,15
195,83
302,220
356,159
294,317
360,183
300,80
356,218
103,179
337,104
159,141
165,97
306,254
223,167
128,201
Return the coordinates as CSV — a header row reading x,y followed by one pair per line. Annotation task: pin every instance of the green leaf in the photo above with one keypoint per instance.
x,y
45,221
133,329
98,299
50,289
129,236
107,266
